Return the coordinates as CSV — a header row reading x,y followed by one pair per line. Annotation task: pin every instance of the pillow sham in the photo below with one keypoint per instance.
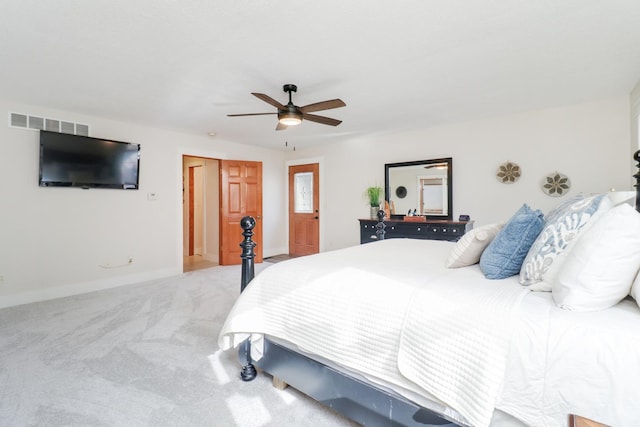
x,y
602,265
561,225
504,255
468,249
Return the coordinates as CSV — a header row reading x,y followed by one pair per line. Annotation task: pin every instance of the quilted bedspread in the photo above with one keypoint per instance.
x,y
390,311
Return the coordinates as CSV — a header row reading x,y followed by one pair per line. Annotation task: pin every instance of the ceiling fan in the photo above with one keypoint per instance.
x,y
291,115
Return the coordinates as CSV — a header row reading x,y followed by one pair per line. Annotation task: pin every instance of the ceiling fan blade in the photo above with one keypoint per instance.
x,y
251,114
324,105
269,100
321,119
280,126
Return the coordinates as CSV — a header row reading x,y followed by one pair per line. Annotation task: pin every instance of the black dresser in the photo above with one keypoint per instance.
x,y
431,229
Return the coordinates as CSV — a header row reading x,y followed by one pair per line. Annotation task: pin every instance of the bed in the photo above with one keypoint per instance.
x,y
406,332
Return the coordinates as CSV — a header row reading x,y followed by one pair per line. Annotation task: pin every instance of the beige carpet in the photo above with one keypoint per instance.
x,y
141,355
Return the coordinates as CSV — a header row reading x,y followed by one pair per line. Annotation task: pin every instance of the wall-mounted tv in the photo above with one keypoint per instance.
x,y
81,161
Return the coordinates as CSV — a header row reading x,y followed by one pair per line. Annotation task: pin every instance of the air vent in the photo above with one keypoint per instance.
x,y
25,121
36,123
18,120
66,127
52,125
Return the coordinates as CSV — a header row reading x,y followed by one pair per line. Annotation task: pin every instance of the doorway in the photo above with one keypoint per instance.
x,y
200,204
304,211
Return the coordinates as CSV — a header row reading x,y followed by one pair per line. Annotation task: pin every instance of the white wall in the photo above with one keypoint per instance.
x,y
587,142
634,104
53,241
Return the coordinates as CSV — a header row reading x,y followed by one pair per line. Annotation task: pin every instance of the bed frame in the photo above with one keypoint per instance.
x,y
364,403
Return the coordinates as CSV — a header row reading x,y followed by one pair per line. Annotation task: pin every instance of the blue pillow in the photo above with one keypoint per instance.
x,y
506,252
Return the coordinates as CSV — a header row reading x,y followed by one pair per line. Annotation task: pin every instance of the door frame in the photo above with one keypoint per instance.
x,y
322,219
184,151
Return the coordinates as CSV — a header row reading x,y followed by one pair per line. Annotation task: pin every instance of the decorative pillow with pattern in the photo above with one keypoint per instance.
x,y
561,225
468,249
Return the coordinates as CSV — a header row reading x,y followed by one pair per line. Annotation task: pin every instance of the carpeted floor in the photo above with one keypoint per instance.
x,y
140,355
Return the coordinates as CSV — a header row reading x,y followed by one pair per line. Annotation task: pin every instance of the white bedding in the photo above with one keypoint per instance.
x,y
542,383
565,362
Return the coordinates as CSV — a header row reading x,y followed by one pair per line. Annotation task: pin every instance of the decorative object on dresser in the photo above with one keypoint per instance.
x,y
374,195
422,187
415,218
415,227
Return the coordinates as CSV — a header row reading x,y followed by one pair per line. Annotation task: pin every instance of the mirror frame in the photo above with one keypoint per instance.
x,y
448,161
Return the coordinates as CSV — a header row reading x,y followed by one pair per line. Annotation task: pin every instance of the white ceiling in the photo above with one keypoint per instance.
x,y
185,64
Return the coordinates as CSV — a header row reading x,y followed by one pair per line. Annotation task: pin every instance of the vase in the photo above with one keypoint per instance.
x,y
374,212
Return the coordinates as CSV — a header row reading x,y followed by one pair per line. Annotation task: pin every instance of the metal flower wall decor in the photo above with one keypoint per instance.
x,y
556,184
508,173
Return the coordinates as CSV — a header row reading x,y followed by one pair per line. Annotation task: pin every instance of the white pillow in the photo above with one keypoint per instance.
x,y
468,249
619,197
602,264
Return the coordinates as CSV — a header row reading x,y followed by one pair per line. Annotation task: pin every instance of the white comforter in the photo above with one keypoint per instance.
x,y
394,313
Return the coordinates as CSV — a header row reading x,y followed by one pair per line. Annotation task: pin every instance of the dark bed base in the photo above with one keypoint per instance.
x,y
347,395
362,402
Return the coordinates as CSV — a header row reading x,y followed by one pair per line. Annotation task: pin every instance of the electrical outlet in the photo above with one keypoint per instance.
x,y
1,279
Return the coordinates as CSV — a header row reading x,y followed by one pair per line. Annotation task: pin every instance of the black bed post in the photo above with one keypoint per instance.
x,y
247,223
636,157
380,226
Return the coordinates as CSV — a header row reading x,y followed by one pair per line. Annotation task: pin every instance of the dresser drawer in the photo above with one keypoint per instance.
x,y
368,231
407,230
446,231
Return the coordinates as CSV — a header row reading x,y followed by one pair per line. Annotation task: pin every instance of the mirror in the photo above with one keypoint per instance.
x,y
424,186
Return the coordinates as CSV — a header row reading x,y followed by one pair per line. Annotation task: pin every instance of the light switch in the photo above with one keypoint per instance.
x,y
152,196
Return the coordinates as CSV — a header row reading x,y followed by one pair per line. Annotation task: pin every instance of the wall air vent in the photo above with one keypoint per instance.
x,y
25,121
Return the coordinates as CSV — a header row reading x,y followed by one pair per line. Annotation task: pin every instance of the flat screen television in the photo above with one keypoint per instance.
x,y
81,161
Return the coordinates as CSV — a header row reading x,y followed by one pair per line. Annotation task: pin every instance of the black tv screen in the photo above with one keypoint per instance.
x,y
81,161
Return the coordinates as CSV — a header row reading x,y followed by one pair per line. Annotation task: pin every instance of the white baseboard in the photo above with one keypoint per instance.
x,y
84,287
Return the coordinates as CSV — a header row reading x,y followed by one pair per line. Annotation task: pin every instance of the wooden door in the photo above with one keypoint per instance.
x,y
304,214
240,195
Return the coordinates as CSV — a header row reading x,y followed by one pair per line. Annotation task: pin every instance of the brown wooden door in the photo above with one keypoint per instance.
x,y
240,195
304,214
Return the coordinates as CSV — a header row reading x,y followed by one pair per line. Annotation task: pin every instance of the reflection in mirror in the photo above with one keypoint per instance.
x,y
424,187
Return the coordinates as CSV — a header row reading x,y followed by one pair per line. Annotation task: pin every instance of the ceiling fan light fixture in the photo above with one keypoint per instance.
x,y
289,118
